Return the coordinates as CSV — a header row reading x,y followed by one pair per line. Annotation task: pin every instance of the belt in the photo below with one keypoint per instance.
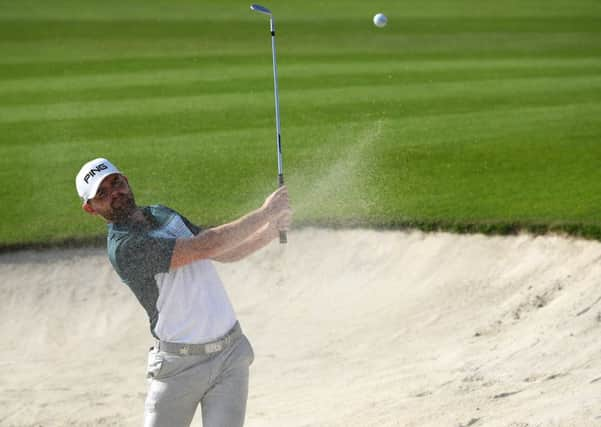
x,y
201,349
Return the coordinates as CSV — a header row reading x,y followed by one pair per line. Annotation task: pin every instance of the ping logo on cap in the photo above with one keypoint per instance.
x,y
91,175
94,171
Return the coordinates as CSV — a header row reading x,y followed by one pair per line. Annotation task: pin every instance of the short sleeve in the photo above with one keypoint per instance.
x,y
140,256
194,229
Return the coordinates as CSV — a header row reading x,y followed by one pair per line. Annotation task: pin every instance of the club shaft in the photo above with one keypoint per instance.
x,y
283,236
277,100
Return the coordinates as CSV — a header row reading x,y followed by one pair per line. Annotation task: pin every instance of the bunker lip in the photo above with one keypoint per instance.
x,y
499,228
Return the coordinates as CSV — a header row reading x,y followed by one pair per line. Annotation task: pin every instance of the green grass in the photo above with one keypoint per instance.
x,y
469,115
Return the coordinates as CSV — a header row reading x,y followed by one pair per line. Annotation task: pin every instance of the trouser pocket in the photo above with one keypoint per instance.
x,y
155,363
250,349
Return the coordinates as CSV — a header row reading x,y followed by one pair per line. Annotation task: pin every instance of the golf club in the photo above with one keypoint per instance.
x,y
265,11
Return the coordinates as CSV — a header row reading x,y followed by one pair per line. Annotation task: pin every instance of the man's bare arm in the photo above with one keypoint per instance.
x,y
214,242
256,241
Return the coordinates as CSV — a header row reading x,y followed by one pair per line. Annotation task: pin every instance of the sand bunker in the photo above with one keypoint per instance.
x,y
350,328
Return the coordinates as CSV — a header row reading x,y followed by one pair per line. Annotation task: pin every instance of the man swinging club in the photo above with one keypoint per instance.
x,y
201,355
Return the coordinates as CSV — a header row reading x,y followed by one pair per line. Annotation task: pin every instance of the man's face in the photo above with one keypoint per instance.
x,y
114,200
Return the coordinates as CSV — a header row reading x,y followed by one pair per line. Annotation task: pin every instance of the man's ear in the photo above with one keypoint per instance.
x,y
88,208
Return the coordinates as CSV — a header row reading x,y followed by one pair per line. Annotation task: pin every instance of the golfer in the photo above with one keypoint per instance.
x,y
201,355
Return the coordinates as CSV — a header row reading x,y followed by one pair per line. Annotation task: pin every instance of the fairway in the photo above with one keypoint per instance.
x,y
457,115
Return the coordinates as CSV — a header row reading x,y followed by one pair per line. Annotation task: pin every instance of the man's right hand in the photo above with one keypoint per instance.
x,y
277,202
278,211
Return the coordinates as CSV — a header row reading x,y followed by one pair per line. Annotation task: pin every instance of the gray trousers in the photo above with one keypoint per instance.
x,y
218,382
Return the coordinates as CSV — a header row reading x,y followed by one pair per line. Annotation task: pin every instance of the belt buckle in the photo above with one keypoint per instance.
x,y
213,347
185,350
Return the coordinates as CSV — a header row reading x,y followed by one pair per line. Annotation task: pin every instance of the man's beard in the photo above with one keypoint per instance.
x,y
122,207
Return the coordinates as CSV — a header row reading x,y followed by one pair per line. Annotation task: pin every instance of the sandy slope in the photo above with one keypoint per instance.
x,y
350,328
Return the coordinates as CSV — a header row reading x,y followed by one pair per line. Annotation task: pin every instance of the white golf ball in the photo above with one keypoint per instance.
x,y
380,20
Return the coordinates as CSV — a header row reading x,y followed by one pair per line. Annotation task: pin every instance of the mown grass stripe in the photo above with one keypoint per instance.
x,y
375,79
16,72
502,90
28,29
566,45
217,72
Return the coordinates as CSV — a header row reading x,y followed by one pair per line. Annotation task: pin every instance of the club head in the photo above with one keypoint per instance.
x,y
260,9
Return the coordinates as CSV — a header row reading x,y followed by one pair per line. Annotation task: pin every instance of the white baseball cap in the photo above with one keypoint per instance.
x,y
91,175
